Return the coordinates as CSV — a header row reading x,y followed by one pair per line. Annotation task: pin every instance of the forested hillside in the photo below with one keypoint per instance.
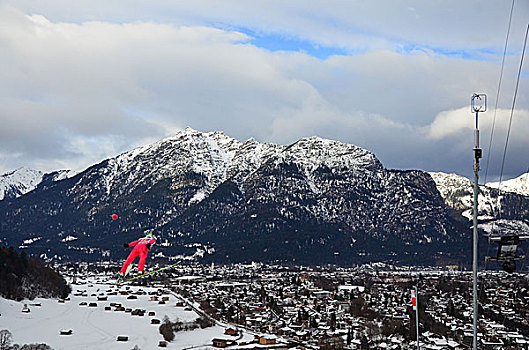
x,y
24,277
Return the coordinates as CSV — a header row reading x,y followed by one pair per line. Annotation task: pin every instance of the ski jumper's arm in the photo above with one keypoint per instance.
x,y
132,244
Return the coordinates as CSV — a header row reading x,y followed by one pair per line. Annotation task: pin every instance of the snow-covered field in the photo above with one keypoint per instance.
x,y
95,328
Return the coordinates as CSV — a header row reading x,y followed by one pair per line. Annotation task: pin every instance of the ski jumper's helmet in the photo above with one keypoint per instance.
x,y
150,235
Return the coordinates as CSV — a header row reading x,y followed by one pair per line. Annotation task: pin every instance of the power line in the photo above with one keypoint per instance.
x,y
498,93
508,134
512,108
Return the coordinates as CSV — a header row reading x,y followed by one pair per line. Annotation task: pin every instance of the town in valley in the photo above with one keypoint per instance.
x,y
331,307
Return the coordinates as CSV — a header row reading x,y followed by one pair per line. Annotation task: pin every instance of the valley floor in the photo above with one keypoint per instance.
x,y
96,328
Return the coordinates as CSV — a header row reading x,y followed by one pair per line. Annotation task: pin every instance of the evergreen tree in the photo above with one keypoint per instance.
x,y
40,281
313,323
364,343
230,313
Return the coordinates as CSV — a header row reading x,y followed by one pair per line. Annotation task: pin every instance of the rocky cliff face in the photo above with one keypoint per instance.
x,y
315,201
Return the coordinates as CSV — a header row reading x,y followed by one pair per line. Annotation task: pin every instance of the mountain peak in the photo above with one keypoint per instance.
x,y
332,153
189,130
22,171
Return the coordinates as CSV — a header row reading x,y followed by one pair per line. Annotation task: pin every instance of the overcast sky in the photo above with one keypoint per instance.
x,y
86,80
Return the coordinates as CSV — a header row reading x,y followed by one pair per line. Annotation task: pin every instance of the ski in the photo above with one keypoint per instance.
x,y
128,269
145,274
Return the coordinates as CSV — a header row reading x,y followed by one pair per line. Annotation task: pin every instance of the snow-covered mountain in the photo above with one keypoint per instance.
x,y
457,192
311,201
23,180
18,182
213,156
518,185
499,212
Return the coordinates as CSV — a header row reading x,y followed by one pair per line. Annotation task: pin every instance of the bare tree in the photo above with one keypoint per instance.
x,y
5,339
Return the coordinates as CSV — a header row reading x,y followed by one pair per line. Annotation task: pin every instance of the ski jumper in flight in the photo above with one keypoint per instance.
x,y
141,248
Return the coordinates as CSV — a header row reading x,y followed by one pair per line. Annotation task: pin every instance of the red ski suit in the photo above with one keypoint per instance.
x,y
139,249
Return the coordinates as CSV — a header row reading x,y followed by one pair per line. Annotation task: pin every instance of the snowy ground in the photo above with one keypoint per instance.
x,y
95,328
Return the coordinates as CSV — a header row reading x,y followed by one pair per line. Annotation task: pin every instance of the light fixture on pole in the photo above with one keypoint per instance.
x,y
478,103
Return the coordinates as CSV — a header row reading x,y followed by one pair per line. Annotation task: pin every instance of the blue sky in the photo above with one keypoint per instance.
x,y
86,81
277,42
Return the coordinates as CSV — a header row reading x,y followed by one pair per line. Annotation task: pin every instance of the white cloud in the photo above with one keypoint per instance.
x,y
448,123
384,24
91,90
75,92
454,123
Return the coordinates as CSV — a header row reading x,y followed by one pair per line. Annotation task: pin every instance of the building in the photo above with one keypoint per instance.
x,y
267,339
219,343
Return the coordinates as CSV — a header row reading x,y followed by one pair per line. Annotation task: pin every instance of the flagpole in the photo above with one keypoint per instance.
x,y
415,306
417,315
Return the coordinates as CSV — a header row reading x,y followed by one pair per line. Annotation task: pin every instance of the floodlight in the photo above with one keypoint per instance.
x,y
478,103
507,248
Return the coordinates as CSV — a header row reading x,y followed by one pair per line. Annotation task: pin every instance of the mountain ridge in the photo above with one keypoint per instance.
x,y
313,201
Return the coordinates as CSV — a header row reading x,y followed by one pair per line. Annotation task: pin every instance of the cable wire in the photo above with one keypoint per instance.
x,y
508,135
512,110
506,146
493,125
498,93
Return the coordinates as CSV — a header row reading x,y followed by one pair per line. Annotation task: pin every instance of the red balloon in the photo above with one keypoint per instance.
x,y
114,216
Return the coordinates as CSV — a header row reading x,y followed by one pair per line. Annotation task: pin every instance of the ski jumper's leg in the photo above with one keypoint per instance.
x,y
143,255
133,254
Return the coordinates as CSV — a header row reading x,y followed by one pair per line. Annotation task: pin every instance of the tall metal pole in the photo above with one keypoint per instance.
x,y
478,104
417,315
477,155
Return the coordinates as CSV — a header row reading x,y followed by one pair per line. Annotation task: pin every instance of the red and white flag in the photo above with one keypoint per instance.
x,y
413,300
